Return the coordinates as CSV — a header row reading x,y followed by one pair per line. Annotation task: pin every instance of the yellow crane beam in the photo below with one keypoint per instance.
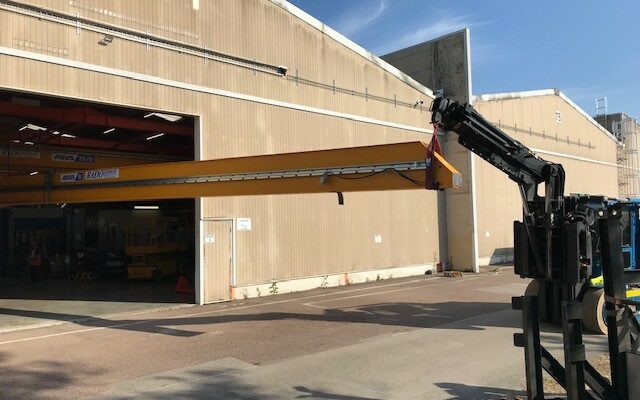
x,y
383,167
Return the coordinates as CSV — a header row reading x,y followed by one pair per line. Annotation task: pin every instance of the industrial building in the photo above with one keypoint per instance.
x,y
92,87
480,213
556,129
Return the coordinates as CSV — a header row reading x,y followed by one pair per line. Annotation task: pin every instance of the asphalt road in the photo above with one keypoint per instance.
x,y
415,338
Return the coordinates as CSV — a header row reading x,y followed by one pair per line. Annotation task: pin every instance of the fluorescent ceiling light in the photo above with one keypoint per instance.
x,y
155,136
146,207
68,136
29,143
33,173
15,141
33,127
55,132
168,117
109,130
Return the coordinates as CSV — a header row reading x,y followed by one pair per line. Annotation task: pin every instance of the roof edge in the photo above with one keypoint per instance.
x,y
351,45
544,92
418,45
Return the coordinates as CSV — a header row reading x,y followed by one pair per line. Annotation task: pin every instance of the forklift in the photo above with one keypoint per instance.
x,y
561,243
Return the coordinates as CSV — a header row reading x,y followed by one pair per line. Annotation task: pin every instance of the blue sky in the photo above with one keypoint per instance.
x,y
587,49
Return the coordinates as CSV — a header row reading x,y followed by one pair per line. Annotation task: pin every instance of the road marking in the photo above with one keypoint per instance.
x,y
226,309
465,320
314,303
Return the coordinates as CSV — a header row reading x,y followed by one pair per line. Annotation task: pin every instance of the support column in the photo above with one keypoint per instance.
x,y
444,64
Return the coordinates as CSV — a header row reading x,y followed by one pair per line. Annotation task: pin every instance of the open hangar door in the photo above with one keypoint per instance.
x,y
68,261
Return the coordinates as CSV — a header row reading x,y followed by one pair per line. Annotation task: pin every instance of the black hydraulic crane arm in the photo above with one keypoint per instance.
x,y
519,163
496,147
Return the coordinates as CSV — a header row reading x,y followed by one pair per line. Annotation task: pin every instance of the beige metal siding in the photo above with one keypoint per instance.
x,y
292,236
232,27
499,202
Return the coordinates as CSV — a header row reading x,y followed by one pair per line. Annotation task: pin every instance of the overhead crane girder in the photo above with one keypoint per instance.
x,y
369,168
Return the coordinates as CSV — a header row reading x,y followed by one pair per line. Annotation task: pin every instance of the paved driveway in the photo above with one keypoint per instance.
x,y
424,338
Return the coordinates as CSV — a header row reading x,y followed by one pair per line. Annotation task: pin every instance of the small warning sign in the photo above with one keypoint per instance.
x,y
244,224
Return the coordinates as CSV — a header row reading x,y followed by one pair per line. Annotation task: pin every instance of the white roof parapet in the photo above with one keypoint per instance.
x,y
544,92
343,40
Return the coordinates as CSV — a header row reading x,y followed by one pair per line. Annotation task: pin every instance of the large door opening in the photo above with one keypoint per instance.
x,y
79,261
67,262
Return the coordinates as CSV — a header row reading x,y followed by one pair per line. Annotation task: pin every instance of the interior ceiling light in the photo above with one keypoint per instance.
x,y
33,127
29,143
68,136
15,141
155,136
55,132
168,117
109,130
33,173
146,207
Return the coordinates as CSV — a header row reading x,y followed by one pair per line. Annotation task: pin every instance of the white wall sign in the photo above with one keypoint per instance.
x,y
558,117
244,224
210,238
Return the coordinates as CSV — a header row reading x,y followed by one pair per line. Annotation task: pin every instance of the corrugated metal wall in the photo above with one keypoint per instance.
x,y
532,121
292,236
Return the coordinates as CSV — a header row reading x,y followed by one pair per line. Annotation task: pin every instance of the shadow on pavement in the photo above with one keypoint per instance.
x,y
38,380
218,383
459,391
415,315
306,393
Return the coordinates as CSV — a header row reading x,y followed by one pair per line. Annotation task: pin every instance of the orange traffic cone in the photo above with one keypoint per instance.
x,y
183,286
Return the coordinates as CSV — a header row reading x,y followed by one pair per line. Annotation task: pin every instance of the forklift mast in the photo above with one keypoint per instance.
x,y
553,245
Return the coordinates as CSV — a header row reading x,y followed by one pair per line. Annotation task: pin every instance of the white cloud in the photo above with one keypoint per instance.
x,y
432,30
356,20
